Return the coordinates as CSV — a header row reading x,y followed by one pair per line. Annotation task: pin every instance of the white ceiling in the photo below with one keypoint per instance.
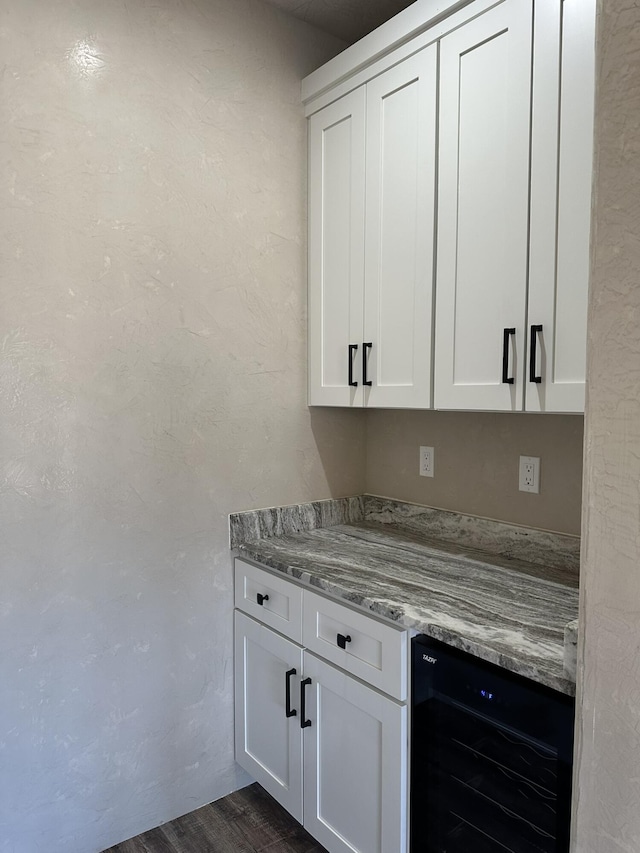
x,y
347,19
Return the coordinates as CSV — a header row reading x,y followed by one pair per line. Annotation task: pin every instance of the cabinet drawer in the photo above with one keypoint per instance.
x,y
281,606
373,651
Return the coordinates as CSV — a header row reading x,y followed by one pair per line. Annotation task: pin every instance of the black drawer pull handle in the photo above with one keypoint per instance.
x,y
508,380
365,349
343,640
304,723
353,348
533,354
289,711
262,598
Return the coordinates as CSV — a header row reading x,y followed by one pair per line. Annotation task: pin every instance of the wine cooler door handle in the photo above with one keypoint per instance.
x,y
365,349
289,711
508,380
353,348
304,723
533,354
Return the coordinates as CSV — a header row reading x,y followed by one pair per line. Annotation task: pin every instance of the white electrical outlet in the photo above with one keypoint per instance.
x,y
530,474
426,462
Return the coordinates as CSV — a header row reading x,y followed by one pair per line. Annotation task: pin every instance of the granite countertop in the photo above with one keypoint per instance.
x,y
462,580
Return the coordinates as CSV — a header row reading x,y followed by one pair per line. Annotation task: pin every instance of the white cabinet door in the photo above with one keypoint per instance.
x,y
268,743
561,170
399,235
483,203
355,755
336,251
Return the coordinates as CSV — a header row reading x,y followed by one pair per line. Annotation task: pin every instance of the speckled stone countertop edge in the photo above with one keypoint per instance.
x,y
571,648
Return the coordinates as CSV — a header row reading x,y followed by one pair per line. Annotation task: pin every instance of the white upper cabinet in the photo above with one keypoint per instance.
x,y
483,202
399,220
371,226
489,109
561,168
336,251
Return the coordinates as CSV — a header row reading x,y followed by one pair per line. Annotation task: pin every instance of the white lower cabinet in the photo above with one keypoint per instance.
x,y
268,743
354,763
328,747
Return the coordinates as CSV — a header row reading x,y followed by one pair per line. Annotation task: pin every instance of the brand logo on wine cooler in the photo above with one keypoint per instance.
x,y
429,659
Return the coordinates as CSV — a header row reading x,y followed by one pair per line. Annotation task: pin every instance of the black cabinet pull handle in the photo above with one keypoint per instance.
x,y
533,354
289,711
353,348
304,723
508,380
365,348
342,640
262,598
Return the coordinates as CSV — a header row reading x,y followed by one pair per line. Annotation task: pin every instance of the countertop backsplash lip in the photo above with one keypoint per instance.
x,y
256,524
404,503
542,547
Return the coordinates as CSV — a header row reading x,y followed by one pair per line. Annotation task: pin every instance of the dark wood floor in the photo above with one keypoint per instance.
x,y
248,821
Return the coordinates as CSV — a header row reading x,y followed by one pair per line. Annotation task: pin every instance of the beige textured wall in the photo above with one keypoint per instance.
x,y
476,463
152,379
608,781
